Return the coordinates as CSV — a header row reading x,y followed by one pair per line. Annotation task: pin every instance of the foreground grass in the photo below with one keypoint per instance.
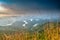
x,y
50,32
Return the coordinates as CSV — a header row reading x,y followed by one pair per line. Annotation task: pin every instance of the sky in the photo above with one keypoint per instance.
x,y
29,7
42,8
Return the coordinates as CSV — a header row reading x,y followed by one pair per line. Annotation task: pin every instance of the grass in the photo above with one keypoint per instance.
x,y
51,31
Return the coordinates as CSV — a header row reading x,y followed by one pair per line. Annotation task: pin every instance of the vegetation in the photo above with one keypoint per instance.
x,y
51,31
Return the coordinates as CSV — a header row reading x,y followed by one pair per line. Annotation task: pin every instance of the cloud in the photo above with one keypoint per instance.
x,y
35,25
7,21
15,10
24,25
20,10
31,19
25,22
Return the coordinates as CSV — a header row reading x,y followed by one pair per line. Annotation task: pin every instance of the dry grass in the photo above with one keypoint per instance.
x,y
50,33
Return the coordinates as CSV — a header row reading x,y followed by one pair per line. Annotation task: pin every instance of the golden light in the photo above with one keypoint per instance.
x,y
5,10
2,9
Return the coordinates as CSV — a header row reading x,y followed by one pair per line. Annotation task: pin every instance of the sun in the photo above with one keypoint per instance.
x,y
2,9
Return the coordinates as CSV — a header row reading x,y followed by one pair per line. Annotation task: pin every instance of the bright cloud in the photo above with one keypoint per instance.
x,y
25,22
35,25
